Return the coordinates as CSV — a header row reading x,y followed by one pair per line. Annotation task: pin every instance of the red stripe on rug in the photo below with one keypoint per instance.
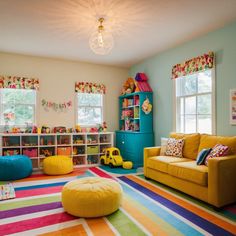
x,y
38,222
44,177
100,172
38,191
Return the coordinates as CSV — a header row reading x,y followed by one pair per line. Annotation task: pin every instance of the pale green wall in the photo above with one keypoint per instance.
x,y
158,69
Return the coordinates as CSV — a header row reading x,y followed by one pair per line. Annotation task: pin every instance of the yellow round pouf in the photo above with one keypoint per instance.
x,y
57,165
91,197
127,164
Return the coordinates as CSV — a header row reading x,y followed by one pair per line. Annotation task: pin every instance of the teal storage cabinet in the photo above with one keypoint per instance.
x,y
135,126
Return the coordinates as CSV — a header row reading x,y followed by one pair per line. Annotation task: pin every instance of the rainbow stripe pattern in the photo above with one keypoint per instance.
x,y
148,208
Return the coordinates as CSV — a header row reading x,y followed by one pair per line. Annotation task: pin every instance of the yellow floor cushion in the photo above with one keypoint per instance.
x,y
57,165
161,162
190,171
91,197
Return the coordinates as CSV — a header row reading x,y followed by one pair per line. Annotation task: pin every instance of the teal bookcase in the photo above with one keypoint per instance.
x,y
135,126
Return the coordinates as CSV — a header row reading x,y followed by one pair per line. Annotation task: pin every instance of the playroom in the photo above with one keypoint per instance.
x,y
117,117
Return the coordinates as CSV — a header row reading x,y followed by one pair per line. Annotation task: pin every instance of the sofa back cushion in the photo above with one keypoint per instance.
x,y
191,144
209,141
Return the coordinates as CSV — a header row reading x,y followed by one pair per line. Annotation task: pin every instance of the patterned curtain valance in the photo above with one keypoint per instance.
x,y
19,82
196,64
85,87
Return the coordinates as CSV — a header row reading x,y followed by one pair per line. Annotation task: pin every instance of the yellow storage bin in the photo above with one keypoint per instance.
x,y
92,150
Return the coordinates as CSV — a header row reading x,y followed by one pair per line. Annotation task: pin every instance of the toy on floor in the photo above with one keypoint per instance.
x,y
112,157
7,191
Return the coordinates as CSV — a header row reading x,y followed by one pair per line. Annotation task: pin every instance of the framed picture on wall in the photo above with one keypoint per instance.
x,y
233,106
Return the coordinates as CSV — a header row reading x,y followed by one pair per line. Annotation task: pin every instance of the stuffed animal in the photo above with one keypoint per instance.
x,y
129,86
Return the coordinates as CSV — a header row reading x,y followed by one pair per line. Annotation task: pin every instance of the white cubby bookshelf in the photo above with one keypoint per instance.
x,y
84,148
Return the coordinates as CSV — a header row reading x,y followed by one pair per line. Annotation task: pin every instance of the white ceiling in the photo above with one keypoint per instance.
x,y
141,28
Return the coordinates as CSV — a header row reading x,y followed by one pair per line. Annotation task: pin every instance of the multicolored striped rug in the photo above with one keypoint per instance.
x,y
148,208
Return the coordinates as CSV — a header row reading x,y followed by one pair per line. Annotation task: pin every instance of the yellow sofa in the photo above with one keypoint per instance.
x,y
214,184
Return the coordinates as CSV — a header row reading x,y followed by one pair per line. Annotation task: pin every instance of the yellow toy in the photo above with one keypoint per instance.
x,y
128,165
112,157
78,129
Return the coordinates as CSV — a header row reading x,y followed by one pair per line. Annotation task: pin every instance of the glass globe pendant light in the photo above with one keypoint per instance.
x,y
101,42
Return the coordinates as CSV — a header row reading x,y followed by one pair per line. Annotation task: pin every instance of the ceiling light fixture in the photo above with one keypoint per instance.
x,y
101,41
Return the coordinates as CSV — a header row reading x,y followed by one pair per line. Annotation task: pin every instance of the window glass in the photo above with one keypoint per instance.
x,y
90,109
194,104
17,107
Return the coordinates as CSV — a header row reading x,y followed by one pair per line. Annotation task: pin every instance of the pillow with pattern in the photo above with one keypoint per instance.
x,y
219,150
202,156
174,147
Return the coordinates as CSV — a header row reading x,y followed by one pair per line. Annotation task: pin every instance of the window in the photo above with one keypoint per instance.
x,y
195,103
17,107
89,109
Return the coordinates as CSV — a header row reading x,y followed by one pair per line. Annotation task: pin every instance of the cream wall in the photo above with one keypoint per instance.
x,y
57,79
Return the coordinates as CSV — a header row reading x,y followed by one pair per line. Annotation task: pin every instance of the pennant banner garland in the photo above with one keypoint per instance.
x,y
56,106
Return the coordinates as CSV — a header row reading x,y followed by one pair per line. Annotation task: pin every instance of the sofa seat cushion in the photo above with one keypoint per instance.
x,y
189,171
161,162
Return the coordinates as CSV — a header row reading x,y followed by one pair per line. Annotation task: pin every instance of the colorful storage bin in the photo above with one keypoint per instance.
x,y
64,151
92,150
30,152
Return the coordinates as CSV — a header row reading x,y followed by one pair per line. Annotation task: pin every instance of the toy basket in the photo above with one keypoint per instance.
x,y
64,151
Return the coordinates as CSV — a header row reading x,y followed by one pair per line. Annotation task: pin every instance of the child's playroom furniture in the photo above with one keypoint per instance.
x,y
135,126
84,148
57,165
214,184
91,197
15,167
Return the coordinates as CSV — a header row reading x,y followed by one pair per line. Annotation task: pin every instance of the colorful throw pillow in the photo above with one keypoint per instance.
x,y
218,150
174,147
202,155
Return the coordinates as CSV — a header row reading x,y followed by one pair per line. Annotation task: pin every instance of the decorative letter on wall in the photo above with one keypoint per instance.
x,y
233,106
56,106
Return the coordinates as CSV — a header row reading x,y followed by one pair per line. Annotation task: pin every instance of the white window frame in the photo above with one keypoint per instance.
x,y
76,111
213,102
33,106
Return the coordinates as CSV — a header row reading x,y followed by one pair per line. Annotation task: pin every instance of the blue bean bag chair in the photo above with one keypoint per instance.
x,y
15,167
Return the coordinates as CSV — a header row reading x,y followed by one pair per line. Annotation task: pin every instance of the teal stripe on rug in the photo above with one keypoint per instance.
x,y
118,170
167,216
222,212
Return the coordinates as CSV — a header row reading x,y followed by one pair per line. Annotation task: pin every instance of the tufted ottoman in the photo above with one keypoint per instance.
x,y
15,167
57,165
91,197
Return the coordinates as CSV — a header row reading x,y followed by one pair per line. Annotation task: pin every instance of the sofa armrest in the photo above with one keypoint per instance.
x,y
221,180
150,152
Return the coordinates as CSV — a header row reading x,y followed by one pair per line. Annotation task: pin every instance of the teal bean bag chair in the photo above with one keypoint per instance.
x,y
15,167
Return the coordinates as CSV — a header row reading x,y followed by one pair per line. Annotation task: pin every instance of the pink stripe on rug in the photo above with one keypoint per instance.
x,y
100,172
39,191
38,222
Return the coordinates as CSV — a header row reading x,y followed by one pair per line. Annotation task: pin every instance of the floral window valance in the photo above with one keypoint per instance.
x,y
196,64
85,87
19,82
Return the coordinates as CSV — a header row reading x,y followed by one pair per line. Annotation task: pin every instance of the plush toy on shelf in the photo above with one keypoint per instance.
x,y
103,127
129,86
